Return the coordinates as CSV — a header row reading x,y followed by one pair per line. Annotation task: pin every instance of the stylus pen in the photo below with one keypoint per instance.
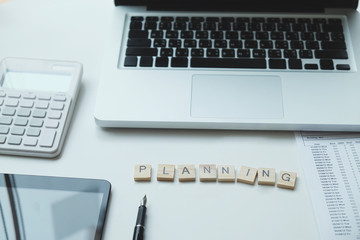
x,y
139,227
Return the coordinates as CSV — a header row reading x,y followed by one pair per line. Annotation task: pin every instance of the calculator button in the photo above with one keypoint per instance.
x,y
59,98
57,106
54,115
13,140
23,112
39,113
30,141
20,121
36,122
34,132
29,96
44,97
14,95
5,120
11,102
4,130
17,131
52,124
42,105
27,103
8,111
47,138
2,139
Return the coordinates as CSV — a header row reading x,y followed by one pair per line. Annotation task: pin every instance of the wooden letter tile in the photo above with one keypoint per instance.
x,y
142,172
247,175
207,173
226,173
266,176
166,172
286,180
186,173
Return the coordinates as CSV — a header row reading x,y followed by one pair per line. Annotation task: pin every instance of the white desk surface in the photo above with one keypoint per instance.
x,y
75,30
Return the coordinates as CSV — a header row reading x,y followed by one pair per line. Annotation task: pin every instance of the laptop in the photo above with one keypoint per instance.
x,y
232,64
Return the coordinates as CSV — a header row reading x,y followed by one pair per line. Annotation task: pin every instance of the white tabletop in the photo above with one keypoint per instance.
x,y
76,30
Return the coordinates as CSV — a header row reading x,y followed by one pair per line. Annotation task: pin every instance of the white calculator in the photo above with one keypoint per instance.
x,y
37,99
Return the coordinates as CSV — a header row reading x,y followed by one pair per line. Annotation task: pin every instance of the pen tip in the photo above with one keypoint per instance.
x,y
143,201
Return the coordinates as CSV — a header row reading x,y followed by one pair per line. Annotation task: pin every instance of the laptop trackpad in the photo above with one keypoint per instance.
x,y
236,96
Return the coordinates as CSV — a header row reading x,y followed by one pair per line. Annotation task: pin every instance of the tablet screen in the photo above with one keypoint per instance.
x,y
36,207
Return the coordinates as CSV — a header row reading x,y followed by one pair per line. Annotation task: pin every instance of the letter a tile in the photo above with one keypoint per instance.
x,y
186,173
286,180
166,172
142,173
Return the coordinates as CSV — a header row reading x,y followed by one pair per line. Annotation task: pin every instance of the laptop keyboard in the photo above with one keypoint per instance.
x,y
236,42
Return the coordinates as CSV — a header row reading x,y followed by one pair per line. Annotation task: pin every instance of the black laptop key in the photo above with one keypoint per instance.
x,y
136,25
197,19
259,53
307,36
134,51
288,20
212,19
314,27
195,26
326,64
212,52
337,36
243,53
165,25
334,21
152,19
180,25
220,43
232,35
217,35
306,54
190,43
227,19
281,44
274,54
235,44
139,42
332,28
277,35
187,34
228,53
179,62
333,45
157,34
283,27
312,44
323,36
319,20
167,19
311,66
254,26
297,44
130,61
251,44
174,43
331,54
273,20
172,34
277,64
292,36
162,62
182,52
136,18
227,63
159,42
166,52
345,67
197,52
182,19
299,27
224,26
146,61
269,27
239,26
304,20
258,20
247,35
262,35
295,64
290,53
151,25
266,44
138,34
205,43
209,26
202,34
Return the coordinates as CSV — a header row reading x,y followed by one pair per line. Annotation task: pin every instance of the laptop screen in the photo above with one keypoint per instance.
x,y
243,5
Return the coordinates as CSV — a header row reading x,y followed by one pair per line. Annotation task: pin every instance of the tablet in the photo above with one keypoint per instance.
x,y
42,207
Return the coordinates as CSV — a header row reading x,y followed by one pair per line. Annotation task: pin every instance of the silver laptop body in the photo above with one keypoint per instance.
x,y
312,95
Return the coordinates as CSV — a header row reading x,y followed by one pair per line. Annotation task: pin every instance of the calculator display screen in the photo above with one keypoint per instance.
x,y
37,81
